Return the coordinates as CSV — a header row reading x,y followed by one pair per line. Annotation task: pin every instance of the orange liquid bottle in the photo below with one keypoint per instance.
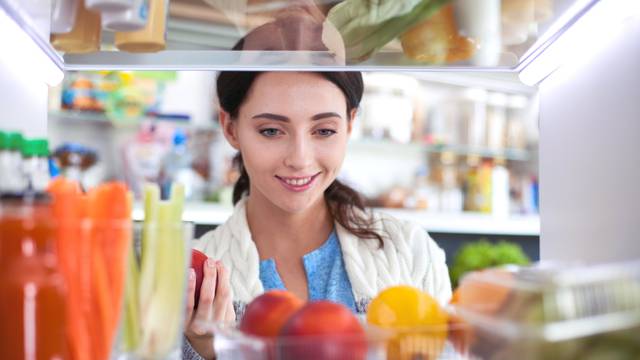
x,y
32,290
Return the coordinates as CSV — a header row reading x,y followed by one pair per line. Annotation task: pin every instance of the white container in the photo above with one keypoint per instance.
x,y
132,19
63,15
481,21
109,5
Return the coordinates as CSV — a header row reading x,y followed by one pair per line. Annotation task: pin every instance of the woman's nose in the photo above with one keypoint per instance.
x,y
299,154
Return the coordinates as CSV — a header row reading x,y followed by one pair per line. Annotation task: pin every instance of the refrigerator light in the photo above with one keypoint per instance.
x,y
21,54
604,21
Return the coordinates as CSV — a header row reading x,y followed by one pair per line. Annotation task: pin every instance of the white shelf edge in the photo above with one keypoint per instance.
x,y
462,223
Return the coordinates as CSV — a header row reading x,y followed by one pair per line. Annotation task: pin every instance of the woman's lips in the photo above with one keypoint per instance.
x,y
297,184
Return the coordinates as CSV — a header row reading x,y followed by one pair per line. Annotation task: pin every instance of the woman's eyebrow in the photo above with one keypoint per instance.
x,y
325,115
277,117
271,117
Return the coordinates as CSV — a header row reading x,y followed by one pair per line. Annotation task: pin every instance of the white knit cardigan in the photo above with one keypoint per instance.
x,y
408,256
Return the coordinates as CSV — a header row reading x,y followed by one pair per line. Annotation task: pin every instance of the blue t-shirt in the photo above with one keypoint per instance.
x,y
326,275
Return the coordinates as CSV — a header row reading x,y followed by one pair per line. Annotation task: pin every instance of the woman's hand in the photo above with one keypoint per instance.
x,y
214,305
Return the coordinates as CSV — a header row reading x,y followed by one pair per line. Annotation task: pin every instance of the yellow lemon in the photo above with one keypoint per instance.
x,y
419,323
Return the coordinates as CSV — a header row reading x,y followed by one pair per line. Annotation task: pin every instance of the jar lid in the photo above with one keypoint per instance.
x,y
35,147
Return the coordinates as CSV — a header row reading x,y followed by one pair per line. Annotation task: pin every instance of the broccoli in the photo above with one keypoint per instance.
x,y
483,254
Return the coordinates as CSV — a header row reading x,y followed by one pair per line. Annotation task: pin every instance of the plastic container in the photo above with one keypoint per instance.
x,y
378,344
553,312
130,19
109,5
152,37
85,35
63,15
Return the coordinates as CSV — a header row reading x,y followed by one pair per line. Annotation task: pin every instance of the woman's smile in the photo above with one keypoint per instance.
x,y
298,183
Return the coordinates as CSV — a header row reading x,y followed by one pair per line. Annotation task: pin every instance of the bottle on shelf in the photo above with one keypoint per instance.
x,y
500,189
32,289
12,179
177,167
152,37
35,154
85,35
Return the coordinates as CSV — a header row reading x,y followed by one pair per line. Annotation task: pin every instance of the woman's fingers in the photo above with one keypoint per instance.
x,y
191,290
223,294
207,292
230,316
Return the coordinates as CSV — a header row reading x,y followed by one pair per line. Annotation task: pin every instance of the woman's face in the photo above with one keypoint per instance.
x,y
292,132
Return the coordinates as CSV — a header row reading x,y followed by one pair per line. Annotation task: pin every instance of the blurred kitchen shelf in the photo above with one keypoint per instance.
x,y
390,146
461,223
98,118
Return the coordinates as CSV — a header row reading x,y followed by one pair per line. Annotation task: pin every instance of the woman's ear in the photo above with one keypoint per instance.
x,y
352,118
229,128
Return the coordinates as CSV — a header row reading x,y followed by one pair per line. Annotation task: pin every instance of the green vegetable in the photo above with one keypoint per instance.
x,y
368,25
154,302
483,254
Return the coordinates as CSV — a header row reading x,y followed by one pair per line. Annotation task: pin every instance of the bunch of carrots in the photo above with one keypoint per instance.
x,y
94,241
108,282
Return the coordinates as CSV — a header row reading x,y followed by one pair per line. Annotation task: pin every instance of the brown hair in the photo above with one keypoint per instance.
x,y
345,204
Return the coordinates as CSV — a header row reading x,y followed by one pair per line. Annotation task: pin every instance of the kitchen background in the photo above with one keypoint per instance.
x,y
458,156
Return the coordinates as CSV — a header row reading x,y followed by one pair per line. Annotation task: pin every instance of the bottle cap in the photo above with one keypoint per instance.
x,y
14,140
3,140
35,147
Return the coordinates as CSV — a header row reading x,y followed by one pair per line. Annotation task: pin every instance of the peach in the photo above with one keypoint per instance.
x,y
323,330
267,313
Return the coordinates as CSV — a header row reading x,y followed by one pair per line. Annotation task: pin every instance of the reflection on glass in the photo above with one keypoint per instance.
x,y
461,33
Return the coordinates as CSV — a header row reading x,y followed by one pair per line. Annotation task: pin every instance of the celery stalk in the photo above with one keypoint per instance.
x,y
163,309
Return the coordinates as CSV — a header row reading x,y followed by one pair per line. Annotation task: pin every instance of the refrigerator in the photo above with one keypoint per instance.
x,y
585,65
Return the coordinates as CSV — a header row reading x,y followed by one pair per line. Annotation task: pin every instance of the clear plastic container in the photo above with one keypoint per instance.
x,y
129,19
552,312
378,344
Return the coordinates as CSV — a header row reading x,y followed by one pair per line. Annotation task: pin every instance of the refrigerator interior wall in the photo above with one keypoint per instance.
x,y
589,155
23,103
24,96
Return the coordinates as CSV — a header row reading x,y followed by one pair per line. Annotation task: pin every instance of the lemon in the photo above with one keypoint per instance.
x,y
418,321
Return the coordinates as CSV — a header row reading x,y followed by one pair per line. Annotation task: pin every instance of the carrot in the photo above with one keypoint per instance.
x,y
115,203
65,194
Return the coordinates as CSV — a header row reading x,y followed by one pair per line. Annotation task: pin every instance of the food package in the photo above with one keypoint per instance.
x,y
437,40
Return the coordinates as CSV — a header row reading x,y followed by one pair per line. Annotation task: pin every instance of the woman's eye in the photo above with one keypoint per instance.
x,y
271,132
325,132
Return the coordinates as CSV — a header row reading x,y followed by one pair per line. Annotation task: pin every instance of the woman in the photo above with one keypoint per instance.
x,y
294,225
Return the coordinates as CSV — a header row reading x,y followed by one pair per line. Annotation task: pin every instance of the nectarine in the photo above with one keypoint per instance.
x,y
322,330
267,313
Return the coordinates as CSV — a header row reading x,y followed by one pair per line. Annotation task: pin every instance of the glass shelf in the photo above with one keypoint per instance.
x,y
460,150
424,35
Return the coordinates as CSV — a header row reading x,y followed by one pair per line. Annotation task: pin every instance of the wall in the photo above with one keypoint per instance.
x,y
590,155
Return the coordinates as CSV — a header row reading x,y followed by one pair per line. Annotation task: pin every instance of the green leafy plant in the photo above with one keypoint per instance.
x,y
483,254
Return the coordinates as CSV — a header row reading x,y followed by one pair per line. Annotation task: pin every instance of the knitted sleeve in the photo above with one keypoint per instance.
x,y
429,263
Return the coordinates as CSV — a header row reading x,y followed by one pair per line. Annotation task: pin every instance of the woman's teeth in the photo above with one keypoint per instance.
x,y
298,182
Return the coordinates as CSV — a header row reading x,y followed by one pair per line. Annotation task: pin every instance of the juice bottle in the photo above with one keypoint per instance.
x,y
32,290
